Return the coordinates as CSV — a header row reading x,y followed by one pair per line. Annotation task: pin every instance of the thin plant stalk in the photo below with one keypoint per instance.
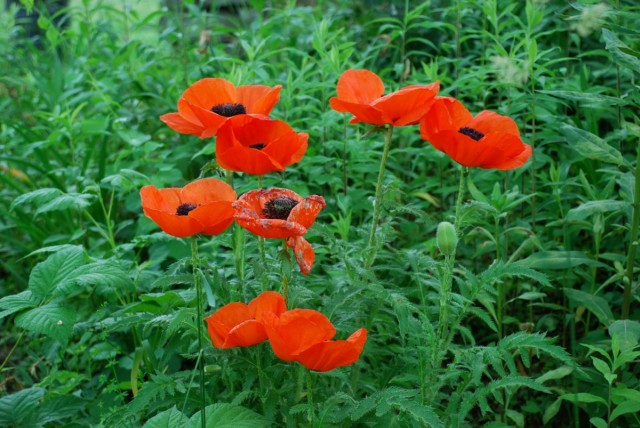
x,y
285,268
378,198
263,253
633,244
310,397
196,280
447,279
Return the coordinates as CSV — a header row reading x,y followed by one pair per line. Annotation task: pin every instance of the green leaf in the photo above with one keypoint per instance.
x,y
622,53
53,320
601,366
598,423
555,374
591,146
221,415
554,260
17,302
19,409
37,197
56,272
28,5
624,408
168,419
61,407
551,411
595,207
595,100
583,397
67,201
597,305
627,331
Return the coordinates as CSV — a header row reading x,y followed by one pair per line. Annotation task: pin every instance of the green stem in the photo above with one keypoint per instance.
x,y
371,248
198,284
285,268
447,280
6,360
310,397
633,245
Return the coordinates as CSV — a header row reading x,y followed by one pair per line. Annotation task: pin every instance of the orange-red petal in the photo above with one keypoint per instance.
x,y
232,326
361,112
209,92
328,355
258,99
307,210
359,86
408,105
295,331
176,122
267,302
303,252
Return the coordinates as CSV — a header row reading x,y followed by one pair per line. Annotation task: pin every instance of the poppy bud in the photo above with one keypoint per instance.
x,y
447,238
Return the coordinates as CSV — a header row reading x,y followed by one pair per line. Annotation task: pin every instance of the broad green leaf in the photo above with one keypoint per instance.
x,y
598,423
591,146
17,302
19,409
627,332
597,305
56,408
624,408
601,366
595,207
553,260
622,53
221,415
53,320
37,197
583,397
56,272
168,419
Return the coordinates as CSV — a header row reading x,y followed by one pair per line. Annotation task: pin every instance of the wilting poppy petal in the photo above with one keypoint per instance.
x,y
254,144
203,206
329,355
209,102
295,331
307,210
303,252
360,93
488,140
237,324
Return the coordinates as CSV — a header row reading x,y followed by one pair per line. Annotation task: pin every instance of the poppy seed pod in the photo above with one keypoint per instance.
x,y
447,238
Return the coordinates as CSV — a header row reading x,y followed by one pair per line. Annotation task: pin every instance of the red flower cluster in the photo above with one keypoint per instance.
x,y
301,335
488,140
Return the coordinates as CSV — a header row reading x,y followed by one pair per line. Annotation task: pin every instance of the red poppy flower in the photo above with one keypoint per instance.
x,y
257,145
207,104
360,93
237,324
281,213
488,140
304,335
202,206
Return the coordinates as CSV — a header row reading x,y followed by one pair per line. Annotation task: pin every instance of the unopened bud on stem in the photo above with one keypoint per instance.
x,y
447,238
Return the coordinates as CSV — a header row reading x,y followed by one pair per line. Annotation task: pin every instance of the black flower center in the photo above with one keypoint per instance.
x,y
471,133
258,146
279,208
185,208
229,109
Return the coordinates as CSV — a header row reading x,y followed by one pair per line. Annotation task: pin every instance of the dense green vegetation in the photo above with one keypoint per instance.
x,y
98,306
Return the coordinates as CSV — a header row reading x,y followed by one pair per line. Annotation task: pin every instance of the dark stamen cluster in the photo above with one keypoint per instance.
x,y
279,208
258,146
471,133
185,208
229,109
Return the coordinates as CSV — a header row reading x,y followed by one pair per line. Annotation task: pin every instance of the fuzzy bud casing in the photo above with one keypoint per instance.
x,y
447,238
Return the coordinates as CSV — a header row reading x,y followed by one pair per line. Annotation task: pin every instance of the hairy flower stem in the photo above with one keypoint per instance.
x,y
310,397
371,247
196,280
263,254
285,269
633,245
447,281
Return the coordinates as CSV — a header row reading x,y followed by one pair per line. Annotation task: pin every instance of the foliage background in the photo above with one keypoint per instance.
x,y
97,309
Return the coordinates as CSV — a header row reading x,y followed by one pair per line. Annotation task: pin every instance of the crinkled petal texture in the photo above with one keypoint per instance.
x,y
488,140
254,144
304,335
195,116
251,213
237,325
360,93
210,202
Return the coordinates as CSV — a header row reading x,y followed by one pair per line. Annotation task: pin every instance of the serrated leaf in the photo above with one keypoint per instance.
x,y
168,419
595,207
597,305
591,146
622,53
595,100
66,201
19,409
52,320
37,197
221,415
56,271
17,302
